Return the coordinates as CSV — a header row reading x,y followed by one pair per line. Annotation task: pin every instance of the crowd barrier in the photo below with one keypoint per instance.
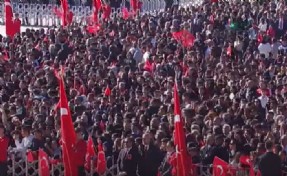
x,y
43,15
24,168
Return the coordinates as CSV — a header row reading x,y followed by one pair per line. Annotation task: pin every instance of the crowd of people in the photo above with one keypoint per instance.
x,y
232,84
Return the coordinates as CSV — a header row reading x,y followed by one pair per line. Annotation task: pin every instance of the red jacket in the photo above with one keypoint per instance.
x,y
80,150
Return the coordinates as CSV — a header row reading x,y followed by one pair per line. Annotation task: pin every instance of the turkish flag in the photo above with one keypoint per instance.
x,y
220,167
182,168
101,160
97,6
125,13
91,154
229,51
44,168
184,37
245,160
65,14
108,91
148,66
11,29
68,135
106,11
31,156
136,6
93,29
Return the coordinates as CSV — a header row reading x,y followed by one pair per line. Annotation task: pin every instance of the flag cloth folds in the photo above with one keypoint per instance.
x,y
11,26
97,6
65,14
107,10
182,167
68,135
220,167
43,164
184,37
125,13
30,156
108,91
101,160
91,154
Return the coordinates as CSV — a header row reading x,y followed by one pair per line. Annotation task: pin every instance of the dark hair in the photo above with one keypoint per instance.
x,y
268,145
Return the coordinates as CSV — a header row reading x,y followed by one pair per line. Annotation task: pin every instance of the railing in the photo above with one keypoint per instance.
x,y
42,14
23,167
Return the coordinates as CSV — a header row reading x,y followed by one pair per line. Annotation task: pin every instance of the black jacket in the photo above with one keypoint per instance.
x,y
218,151
270,164
128,161
150,161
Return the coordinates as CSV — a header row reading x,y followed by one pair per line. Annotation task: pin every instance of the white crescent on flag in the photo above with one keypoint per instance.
x,y
64,111
176,118
46,163
220,168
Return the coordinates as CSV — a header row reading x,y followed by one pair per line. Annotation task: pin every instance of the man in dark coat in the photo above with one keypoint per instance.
x,y
218,150
269,163
151,157
128,159
167,164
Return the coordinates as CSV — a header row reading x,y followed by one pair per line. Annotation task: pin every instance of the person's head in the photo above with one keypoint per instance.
x,y
25,131
128,142
38,134
219,139
146,138
170,147
269,145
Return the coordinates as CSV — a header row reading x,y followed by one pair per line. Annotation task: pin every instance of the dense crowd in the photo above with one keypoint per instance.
x,y
232,84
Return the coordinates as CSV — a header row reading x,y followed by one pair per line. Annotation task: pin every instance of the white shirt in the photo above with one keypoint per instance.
x,y
265,49
262,27
263,100
146,56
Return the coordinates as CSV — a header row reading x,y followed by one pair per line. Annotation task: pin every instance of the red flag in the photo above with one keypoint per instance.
x,y
259,38
44,169
9,25
185,37
106,11
68,135
245,160
220,167
108,91
96,9
17,25
148,66
91,154
179,138
30,156
98,4
136,6
101,160
6,56
93,29
125,13
229,51
65,14
57,12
